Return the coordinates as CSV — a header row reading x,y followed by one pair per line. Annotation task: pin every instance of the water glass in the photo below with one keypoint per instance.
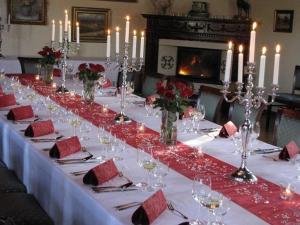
x,y
160,172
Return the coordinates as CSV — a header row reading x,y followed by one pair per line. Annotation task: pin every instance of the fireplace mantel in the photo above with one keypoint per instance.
x,y
191,29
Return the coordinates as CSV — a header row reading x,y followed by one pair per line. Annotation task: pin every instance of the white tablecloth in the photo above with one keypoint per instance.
x,y
69,202
10,65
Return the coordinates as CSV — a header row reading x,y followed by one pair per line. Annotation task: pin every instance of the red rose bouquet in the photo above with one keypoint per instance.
x,y
90,71
49,56
173,96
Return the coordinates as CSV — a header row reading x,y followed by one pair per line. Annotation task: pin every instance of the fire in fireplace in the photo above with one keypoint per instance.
x,y
199,64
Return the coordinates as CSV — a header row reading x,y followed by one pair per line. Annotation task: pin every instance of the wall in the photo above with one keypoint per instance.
x,y
26,40
263,12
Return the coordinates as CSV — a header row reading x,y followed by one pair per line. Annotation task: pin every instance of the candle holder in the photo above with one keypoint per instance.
x,y
250,100
3,28
66,48
125,66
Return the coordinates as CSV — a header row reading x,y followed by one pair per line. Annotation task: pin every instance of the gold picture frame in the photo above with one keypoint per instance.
x,y
32,12
93,22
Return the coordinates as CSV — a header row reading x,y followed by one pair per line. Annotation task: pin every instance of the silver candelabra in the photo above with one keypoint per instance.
x,y
250,100
3,28
124,68
66,47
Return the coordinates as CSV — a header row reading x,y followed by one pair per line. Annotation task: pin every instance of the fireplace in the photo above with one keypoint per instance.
x,y
199,64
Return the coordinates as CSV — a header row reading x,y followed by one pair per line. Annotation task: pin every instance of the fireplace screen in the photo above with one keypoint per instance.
x,y
199,64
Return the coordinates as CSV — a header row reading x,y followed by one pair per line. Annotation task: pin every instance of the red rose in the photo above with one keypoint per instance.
x,y
96,68
160,88
180,85
57,54
186,92
99,68
42,53
170,94
82,67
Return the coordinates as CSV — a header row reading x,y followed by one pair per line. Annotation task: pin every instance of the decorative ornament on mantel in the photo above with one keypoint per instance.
x,y
199,9
243,8
163,7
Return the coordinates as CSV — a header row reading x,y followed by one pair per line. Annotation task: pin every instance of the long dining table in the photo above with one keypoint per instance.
x,y
69,202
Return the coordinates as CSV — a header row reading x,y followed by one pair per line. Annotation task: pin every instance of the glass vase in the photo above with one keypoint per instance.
x,y
48,73
89,90
168,130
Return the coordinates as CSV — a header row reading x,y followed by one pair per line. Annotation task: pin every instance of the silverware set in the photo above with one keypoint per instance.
x,y
267,150
77,160
209,129
38,140
25,121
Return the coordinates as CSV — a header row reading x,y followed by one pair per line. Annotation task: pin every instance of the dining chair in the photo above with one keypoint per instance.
x,y
149,84
287,127
290,100
23,209
29,65
237,113
212,99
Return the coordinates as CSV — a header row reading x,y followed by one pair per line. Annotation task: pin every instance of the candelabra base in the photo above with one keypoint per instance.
x,y
243,174
62,89
122,118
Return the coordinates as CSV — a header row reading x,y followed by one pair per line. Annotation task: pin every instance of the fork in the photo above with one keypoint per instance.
x,y
172,209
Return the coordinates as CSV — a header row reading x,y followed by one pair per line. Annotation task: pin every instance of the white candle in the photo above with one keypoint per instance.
x,y
127,29
252,43
276,65
77,33
53,31
142,45
66,20
262,68
134,45
241,64
117,40
228,62
69,31
60,31
108,44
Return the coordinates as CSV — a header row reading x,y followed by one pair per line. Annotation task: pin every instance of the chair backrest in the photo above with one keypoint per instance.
x,y
237,113
287,127
212,100
149,84
296,86
29,65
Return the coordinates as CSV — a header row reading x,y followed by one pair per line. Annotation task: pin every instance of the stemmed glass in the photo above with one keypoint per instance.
x,y
161,170
101,82
197,116
254,134
75,122
149,109
201,190
237,141
213,202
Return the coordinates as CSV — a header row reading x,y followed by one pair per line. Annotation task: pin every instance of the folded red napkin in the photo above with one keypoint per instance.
x,y
101,173
65,147
107,84
7,100
228,130
56,72
289,151
152,208
39,128
20,113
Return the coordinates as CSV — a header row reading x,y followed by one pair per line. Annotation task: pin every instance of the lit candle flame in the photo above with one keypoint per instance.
x,y
117,29
77,24
69,22
241,48
134,32
142,33
278,47
53,21
108,32
127,18
60,22
254,25
264,50
66,11
230,45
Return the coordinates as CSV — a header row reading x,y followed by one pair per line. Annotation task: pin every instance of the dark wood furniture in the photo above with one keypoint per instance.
x,y
28,64
192,29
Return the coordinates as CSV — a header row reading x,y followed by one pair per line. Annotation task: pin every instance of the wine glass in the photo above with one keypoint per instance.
x,y
130,87
201,190
160,171
101,82
237,141
149,109
213,202
75,122
197,116
255,132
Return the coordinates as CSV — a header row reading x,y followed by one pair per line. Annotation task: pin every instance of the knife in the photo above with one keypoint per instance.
x,y
115,190
267,150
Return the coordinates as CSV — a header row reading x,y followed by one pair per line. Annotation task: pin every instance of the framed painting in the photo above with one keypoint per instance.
x,y
283,21
33,12
93,22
